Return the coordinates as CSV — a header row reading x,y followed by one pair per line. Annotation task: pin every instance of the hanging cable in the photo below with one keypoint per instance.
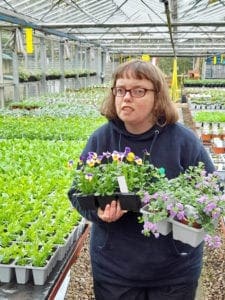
x,y
167,11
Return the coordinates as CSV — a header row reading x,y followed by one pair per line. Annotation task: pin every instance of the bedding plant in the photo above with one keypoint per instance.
x,y
98,174
194,198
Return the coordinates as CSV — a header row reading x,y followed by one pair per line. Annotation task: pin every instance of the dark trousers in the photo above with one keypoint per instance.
x,y
106,291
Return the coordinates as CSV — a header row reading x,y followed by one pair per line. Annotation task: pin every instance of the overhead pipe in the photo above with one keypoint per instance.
x,y
166,45
87,32
157,39
167,11
164,50
165,54
128,24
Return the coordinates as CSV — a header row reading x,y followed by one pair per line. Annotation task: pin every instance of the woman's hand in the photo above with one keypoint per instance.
x,y
112,212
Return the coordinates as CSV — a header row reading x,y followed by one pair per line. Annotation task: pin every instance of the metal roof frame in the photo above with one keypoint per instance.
x,y
158,27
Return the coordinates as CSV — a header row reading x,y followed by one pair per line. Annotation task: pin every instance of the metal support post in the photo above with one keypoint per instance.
x,y
62,66
43,65
2,102
16,95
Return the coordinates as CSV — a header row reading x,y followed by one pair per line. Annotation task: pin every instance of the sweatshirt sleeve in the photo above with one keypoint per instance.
x,y
206,159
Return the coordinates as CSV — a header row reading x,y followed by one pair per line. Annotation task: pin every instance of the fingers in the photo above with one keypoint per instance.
x,y
119,209
109,214
112,212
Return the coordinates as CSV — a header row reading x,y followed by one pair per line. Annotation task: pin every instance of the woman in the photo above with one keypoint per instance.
x,y
127,265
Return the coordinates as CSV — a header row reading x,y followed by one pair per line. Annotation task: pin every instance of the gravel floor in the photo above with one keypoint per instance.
x,y
213,275
81,285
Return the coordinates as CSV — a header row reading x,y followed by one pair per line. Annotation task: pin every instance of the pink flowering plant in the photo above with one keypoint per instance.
x,y
156,198
156,204
200,201
98,174
193,198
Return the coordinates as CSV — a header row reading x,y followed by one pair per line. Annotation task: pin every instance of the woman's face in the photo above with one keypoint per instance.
x,y
135,112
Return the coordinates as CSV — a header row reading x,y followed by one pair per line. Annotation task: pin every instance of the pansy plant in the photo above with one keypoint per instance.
x,y
98,174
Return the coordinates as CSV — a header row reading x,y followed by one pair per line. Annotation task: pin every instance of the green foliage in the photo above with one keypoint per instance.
x,y
35,213
48,128
209,116
204,82
206,96
26,75
37,179
26,104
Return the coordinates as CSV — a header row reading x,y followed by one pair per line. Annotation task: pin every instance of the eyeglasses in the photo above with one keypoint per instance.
x,y
136,93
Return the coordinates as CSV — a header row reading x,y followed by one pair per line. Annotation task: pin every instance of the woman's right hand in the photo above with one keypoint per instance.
x,y
112,212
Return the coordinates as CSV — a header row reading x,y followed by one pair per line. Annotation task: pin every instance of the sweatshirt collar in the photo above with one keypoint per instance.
x,y
119,127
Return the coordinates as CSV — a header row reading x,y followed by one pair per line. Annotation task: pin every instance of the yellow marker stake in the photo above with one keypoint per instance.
x,y
174,86
29,40
145,57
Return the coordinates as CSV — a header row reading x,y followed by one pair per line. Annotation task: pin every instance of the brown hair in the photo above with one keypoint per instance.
x,y
164,109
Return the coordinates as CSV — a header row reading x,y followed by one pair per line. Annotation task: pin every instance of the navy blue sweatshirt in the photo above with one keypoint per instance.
x,y
120,253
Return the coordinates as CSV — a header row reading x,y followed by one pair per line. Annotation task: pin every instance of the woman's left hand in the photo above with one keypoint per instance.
x,y
112,212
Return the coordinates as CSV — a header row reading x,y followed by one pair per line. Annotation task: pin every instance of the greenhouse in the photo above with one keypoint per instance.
x,y
59,61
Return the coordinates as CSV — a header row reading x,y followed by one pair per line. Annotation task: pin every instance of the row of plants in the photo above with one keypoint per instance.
x,y
27,104
26,75
204,82
206,98
34,179
207,110
47,128
209,117
77,103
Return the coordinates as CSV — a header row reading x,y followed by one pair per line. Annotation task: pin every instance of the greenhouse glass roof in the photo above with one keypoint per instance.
x,y
157,27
